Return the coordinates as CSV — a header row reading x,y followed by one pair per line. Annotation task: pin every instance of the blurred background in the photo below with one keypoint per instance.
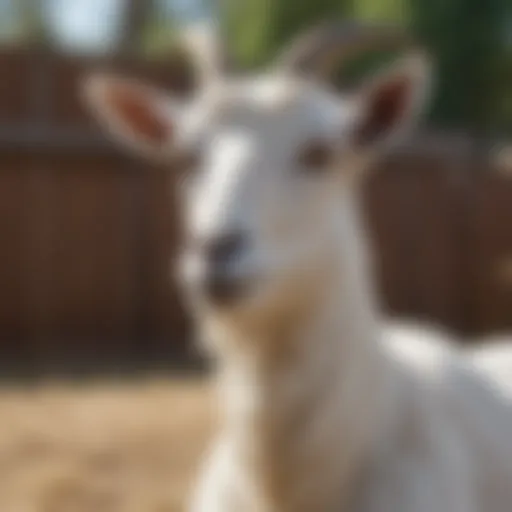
x,y
88,234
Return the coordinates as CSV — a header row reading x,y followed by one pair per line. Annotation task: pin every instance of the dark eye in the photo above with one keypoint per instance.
x,y
315,156
188,161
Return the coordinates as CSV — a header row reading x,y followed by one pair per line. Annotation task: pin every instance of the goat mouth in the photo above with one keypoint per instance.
x,y
216,287
220,290
223,290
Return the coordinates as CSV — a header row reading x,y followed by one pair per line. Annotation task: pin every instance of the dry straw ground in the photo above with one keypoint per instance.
x,y
102,447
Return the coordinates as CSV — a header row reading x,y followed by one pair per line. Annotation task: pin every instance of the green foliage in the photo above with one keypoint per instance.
x,y
257,29
158,36
467,40
382,10
24,22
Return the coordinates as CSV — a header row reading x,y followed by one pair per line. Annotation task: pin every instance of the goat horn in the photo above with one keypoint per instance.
x,y
319,51
207,48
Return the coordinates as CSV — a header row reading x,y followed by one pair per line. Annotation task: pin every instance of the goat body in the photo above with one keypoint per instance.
x,y
324,408
354,414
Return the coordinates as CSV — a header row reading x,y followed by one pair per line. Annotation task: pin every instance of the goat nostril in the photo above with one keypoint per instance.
x,y
224,249
215,279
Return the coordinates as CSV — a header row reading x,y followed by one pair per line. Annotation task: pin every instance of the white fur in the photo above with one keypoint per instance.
x,y
324,407
330,411
363,418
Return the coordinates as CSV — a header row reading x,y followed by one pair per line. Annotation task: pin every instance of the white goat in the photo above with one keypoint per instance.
x,y
325,409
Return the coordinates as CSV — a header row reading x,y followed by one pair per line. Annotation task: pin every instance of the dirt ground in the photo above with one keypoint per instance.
x,y
102,447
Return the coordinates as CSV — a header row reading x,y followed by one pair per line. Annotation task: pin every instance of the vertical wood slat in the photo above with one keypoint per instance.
x,y
85,269
492,252
13,220
167,315
388,220
434,251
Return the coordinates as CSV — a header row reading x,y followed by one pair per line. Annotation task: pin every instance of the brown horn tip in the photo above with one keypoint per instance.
x,y
316,52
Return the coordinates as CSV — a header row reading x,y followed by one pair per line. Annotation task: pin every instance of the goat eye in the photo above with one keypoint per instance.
x,y
316,156
188,161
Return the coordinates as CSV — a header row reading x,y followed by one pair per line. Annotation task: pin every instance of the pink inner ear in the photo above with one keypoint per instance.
x,y
387,106
139,112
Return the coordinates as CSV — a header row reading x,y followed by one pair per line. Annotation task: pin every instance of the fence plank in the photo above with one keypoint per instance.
x,y
492,246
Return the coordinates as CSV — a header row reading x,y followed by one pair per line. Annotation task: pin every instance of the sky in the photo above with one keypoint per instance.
x,y
85,24
95,24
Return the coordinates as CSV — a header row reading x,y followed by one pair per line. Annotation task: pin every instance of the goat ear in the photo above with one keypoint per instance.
x,y
138,115
392,102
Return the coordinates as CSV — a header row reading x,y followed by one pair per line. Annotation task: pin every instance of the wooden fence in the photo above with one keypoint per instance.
x,y
87,235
